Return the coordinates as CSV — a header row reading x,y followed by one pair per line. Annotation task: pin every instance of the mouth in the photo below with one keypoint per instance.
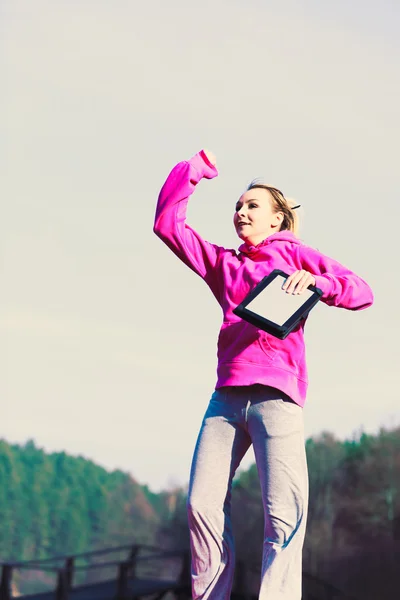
x,y
240,223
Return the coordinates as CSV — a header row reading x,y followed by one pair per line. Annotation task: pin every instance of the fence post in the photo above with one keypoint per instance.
x,y
132,558
5,585
183,591
69,571
184,577
62,585
122,581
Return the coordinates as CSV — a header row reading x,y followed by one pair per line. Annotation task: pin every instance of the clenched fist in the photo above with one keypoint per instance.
x,y
210,157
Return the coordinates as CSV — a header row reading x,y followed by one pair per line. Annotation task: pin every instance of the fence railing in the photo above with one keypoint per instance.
x,y
125,569
65,568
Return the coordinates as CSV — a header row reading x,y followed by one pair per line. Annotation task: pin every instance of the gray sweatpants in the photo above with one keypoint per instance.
x,y
235,418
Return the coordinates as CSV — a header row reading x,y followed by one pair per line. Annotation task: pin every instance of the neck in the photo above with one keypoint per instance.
x,y
257,239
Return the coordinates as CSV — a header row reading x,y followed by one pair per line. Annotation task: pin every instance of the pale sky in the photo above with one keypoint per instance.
x,y
108,342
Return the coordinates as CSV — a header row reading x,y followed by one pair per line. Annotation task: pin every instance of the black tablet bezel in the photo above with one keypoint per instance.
x,y
279,331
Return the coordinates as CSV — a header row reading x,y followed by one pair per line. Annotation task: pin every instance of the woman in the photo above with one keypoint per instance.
x,y
261,380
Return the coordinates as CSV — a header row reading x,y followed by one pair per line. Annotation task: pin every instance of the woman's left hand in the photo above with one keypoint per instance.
x,y
298,282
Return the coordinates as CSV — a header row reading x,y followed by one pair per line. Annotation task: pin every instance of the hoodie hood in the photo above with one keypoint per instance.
x,y
279,236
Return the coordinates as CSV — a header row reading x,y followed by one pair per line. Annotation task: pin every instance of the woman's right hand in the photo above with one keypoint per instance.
x,y
210,157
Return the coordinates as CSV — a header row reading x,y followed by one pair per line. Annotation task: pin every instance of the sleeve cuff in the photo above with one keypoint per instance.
x,y
203,166
324,284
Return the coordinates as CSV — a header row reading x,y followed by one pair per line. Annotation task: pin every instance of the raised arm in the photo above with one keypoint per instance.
x,y
340,286
170,220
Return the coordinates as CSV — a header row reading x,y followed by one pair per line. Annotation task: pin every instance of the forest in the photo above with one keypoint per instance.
x,y
56,504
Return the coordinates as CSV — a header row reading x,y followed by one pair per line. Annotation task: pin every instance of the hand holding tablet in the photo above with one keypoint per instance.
x,y
298,282
275,311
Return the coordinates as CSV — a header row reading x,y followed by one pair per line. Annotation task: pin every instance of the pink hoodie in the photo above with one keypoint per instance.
x,y
247,355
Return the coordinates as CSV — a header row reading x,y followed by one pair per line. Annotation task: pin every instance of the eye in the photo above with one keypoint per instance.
x,y
253,205
238,207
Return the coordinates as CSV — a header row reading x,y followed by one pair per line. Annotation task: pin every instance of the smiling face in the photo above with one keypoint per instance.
x,y
255,218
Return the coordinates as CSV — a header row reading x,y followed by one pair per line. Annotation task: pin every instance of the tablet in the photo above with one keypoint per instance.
x,y
271,309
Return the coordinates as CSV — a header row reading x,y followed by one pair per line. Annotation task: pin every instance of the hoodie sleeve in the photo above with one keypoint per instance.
x,y
340,286
170,220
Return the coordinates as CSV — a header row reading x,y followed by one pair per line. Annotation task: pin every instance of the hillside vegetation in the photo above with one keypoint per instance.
x,y
55,504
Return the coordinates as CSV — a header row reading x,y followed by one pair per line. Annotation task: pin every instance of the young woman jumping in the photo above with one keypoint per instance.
x,y
261,380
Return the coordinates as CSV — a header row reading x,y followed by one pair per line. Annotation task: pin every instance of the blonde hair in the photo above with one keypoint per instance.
x,y
281,204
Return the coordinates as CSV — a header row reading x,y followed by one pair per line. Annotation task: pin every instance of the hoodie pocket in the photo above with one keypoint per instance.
x,y
270,349
287,353
242,341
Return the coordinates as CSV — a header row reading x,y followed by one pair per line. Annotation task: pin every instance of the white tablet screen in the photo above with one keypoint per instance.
x,y
274,304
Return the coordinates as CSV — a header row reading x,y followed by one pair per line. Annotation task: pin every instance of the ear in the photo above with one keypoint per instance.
x,y
277,219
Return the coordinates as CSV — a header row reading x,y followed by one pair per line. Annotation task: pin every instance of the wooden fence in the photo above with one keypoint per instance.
x,y
65,569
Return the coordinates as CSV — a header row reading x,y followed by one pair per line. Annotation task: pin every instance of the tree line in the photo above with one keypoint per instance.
x,y
56,504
